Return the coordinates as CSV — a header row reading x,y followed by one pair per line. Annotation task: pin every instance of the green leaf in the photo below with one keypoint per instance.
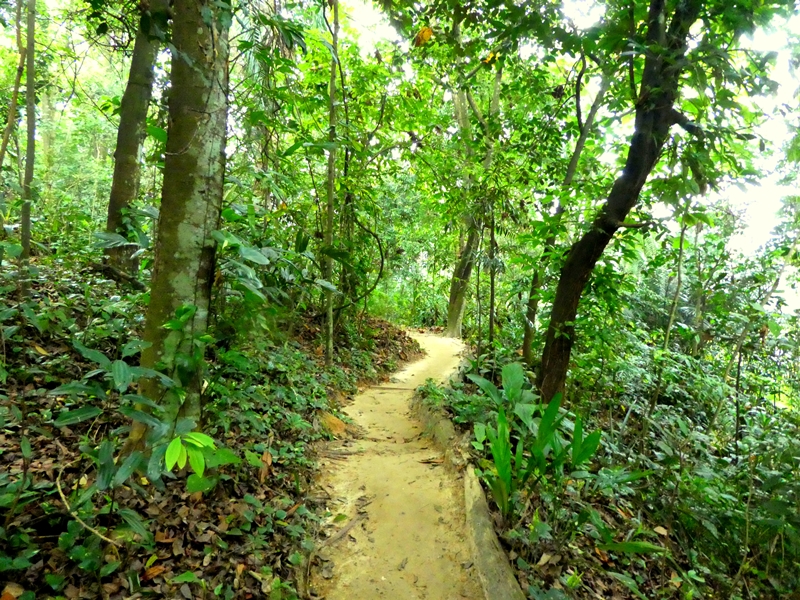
x,y
92,355
632,547
187,577
72,417
513,376
195,483
157,133
128,466
630,583
134,347
196,460
173,453
487,386
54,581
220,456
122,375
106,466
25,447
109,568
135,522
199,439
253,255
590,445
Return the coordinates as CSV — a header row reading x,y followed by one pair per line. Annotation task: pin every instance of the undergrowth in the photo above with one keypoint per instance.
x,y
83,520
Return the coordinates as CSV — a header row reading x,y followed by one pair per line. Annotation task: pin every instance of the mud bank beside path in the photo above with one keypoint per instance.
x,y
401,533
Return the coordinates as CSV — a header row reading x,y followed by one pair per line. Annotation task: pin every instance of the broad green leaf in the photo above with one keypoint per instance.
x,y
128,466
513,376
632,547
106,466
173,453
92,355
199,439
25,447
72,417
122,375
196,460
487,386
253,255
195,483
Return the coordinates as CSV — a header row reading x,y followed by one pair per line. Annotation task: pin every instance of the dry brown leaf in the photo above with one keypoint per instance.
x,y
153,572
332,424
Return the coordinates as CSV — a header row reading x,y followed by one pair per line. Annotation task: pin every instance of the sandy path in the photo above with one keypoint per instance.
x,y
408,541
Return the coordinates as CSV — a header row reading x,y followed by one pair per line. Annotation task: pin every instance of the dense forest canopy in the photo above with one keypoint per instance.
x,y
213,210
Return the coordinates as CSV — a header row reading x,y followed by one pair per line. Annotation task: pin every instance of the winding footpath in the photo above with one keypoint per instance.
x,y
397,522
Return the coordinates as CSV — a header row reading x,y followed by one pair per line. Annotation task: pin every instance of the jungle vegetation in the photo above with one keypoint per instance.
x,y
218,215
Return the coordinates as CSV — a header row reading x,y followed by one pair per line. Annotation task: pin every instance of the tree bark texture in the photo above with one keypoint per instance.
x,y
191,202
132,129
655,115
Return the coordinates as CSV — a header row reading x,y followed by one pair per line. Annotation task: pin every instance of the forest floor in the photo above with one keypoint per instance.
x,y
399,527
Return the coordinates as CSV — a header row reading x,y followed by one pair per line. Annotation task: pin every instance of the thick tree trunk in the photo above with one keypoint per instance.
x,y
655,116
330,212
132,129
191,202
532,308
30,151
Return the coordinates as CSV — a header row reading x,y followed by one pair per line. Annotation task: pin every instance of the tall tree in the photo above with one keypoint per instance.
x,y
30,151
330,190
12,107
191,203
132,127
665,61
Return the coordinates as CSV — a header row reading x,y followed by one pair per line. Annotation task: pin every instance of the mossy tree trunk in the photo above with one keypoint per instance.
x,y
191,202
132,128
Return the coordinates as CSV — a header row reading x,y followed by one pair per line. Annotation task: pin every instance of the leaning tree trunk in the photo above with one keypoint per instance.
x,y
532,308
132,128
191,202
30,151
655,115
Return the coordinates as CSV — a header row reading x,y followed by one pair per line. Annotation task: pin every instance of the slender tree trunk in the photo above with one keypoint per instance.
x,y
330,212
459,283
12,107
30,151
191,203
132,129
655,115
492,277
540,273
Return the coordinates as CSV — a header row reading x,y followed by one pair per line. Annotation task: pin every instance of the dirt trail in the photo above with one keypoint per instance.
x,y
408,540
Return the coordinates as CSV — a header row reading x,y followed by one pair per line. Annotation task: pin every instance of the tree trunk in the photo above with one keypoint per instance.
x,y
132,129
330,212
191,202
532,307
30,150
655,116
12,107
459,283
